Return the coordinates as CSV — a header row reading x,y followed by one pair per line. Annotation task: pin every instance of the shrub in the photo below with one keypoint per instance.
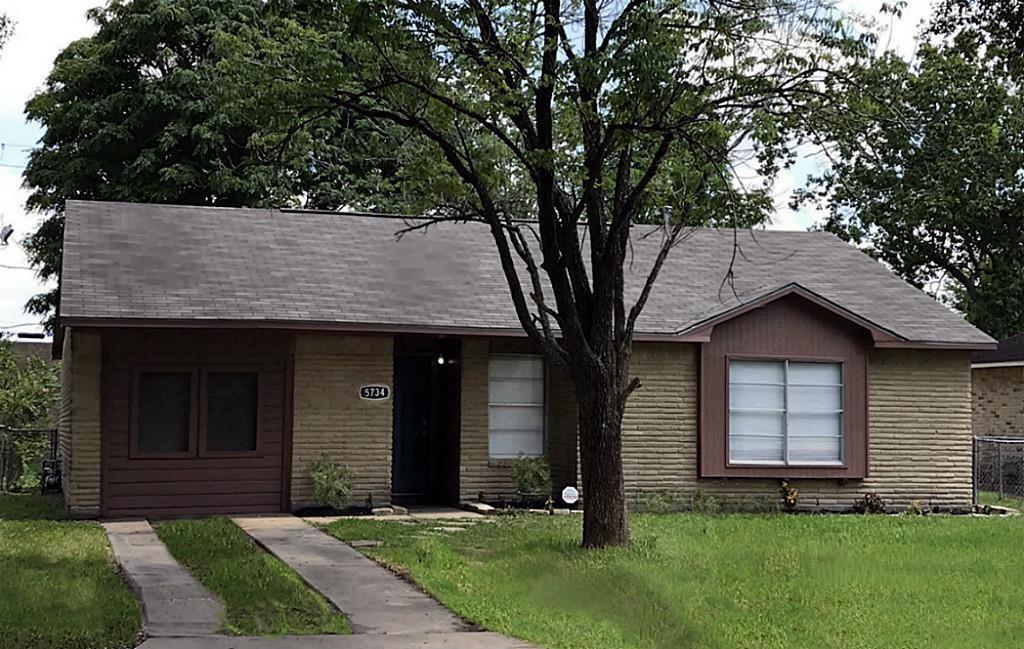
x,y
704,503
332,482
869,503
790,495
532,476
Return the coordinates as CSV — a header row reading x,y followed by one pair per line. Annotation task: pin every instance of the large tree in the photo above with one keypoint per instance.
x,y
582,117
927,174
128,115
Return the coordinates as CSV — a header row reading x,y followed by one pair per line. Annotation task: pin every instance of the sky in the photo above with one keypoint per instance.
x,y
44,27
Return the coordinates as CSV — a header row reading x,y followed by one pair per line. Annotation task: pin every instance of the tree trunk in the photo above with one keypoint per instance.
x,y
599,409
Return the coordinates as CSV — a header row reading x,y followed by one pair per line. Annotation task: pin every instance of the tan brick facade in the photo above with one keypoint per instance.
x,y
998,401
330,419
478,474
919,431
79,422
919,421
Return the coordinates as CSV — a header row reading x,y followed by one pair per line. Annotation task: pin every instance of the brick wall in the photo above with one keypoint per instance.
x,y
998,401
477,472
330,418
79,423
919,428
562,442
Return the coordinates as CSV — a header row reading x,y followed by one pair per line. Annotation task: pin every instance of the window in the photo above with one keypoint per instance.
x,y
164,419
193,411
516,410
785,413
231,411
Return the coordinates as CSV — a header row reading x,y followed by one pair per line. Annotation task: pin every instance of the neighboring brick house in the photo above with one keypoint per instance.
x,y
211,354
997,380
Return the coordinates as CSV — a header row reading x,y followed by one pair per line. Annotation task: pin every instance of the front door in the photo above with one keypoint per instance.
x,y
410,461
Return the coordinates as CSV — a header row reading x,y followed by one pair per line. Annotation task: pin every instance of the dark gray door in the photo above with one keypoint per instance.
x,y
410,461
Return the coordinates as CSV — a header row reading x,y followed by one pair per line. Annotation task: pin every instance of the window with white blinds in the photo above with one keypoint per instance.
x,y
516,408
785,412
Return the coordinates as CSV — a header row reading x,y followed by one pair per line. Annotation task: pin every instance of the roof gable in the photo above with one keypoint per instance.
x,y
701,330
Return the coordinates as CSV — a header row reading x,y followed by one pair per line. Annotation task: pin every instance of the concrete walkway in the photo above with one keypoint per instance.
x,y
174,604
460,640
375,600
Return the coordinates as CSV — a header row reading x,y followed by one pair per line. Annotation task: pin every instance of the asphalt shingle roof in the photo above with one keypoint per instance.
x,y
1009,350
142,261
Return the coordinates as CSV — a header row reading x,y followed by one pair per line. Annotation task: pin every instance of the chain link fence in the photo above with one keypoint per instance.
x,y
999,471
28,459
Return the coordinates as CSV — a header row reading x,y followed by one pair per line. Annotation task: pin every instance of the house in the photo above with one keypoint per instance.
x,y
997,379
210,354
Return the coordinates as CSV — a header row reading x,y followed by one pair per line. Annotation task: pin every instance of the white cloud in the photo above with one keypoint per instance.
x,y
42,29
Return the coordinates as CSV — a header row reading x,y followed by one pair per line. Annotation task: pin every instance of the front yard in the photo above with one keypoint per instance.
x,y
743,582
59,587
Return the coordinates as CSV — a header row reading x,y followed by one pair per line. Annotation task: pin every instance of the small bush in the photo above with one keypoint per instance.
x,y
869,503
790,495
332,482
532,476
704,503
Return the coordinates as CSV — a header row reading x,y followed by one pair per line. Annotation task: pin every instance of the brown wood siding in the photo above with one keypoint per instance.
x,y
789,328
161,487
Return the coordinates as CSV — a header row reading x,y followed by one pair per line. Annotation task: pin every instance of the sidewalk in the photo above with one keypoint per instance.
x,y
383,610
374,600
174,604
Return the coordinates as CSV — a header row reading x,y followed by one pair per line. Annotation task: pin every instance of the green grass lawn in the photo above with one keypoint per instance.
x,y
728,582
262,595
59,587
992,498
30,507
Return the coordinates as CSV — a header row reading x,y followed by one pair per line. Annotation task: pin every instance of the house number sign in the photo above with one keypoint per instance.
x,y
374,392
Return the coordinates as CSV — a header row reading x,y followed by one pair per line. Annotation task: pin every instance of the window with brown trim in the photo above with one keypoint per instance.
x,y
231,412
164,413
186,412
785,413
783,394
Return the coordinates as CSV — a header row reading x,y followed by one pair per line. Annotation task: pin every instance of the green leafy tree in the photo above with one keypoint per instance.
x,y
926,175
129,115
585,118
28,392
28,388
997,23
